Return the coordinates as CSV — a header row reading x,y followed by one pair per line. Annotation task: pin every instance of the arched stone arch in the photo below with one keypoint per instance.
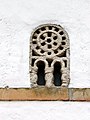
x,y
40,59
58,60
50,44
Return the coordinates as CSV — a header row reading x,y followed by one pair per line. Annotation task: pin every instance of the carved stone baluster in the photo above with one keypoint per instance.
x,y
49,77
33,76
65,77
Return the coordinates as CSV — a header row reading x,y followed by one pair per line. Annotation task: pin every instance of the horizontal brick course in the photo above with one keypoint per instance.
x,y
34,94
43,93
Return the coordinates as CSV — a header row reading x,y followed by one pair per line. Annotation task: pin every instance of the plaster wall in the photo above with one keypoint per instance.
x,y
17,20
44,110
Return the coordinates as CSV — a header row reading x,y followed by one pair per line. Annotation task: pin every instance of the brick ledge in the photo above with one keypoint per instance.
x,y
45,94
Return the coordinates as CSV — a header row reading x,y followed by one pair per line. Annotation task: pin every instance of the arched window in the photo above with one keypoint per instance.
x,y
57,74
41,73
49,42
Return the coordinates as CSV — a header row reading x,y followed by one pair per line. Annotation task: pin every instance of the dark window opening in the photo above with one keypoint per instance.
x,y
49,53
61,33
63,54
49,62
42,51
55,37
48,40
37,31
41,73
49,34
33,60
34,42
33,53
63,38
49,46
37,47
56,29
61,48
42,37
43,43
55,43
55,51
63,43
43,28
65,61
57,74
34,37
50,27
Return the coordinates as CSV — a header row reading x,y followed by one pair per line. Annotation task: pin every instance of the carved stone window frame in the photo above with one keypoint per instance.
x,y
49,43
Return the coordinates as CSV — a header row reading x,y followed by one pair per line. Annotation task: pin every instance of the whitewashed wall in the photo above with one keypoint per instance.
x,y
19,17
52,110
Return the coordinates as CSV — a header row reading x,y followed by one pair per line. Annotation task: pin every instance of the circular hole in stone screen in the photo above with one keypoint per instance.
x,y
55,51
50,27
61,33
43,43
56,29
49,53
63,43
34,37
61,48
48,40
42,51
55,37
34,42
49,46
42,37
63,38
37,31
37,47
43,28
49,34
55,43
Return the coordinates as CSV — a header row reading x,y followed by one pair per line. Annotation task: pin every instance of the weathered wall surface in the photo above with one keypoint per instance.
x,y
47,110
19,17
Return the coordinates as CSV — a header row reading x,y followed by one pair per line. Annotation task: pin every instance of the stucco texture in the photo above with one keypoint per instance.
x,y
17,20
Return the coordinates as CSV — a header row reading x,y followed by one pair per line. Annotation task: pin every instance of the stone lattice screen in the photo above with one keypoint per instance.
x,y
49,56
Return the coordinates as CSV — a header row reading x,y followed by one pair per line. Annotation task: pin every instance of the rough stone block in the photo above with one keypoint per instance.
x,y
79,94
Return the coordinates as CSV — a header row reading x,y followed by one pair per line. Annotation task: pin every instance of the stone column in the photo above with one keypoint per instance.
x,y
34,77
64,77
49,77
